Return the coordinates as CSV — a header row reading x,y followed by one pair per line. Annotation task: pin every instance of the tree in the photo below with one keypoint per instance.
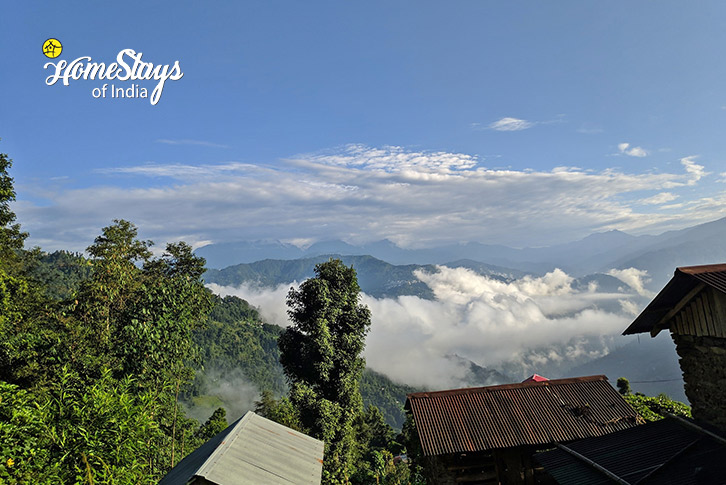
x,y
278,410
13,284
623,386
11,237
658,407
321,356
216,423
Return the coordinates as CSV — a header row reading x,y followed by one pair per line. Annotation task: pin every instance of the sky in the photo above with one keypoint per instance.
x,y
521,123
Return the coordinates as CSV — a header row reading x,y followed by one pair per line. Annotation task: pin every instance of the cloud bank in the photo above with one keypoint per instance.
x,y
534,324
360,194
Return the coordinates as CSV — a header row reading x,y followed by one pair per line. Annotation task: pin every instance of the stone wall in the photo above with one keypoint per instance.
x,y
703,362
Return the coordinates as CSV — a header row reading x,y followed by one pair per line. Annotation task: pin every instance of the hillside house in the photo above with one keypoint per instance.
x,y
487,435
252,451
692,306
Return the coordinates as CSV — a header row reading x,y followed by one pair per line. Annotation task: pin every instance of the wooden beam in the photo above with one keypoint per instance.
x,y
717,298
663,322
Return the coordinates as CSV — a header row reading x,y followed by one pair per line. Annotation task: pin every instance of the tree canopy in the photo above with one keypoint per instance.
x,y
321,356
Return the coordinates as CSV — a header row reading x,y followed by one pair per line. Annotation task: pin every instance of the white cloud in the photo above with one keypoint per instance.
x,y
535,324
269,301
635,278
356,193
659,199
511,124
183,171
167,141
695,170
626,149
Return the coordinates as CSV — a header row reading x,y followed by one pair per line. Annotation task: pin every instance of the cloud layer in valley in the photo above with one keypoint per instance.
x,y
359,194
533,324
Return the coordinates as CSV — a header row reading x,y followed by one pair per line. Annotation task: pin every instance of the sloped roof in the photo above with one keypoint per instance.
x,y
527,413
256,451
669,451
686,282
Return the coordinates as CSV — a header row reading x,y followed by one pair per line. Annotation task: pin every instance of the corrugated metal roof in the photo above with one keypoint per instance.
x,y
662,452
684,280
528,413
255,451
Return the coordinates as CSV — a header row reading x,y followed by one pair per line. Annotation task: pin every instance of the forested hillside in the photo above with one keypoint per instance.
x,y
98,353
238,349
94,354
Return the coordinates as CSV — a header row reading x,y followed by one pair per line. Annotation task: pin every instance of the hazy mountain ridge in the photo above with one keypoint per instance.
x,y
377,278
596,253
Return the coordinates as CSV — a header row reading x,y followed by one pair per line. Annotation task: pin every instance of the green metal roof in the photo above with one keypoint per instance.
x,y
255,451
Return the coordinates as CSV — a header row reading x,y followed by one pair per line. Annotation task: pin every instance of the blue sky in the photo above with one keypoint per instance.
x,y
522,123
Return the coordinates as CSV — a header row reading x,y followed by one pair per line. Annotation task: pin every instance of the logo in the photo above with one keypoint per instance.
x,y
128,66
52,48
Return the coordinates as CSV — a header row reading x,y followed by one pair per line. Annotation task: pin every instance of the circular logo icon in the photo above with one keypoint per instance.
x,y
52,48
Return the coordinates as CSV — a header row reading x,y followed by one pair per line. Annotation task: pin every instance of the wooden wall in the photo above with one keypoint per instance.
x,y
704,315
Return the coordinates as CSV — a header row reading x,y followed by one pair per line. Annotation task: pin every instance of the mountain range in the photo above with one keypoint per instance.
x,y
388,271
659,254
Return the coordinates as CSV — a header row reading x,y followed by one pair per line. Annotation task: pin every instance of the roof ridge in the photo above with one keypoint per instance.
x,y
516,385
702,268
223,445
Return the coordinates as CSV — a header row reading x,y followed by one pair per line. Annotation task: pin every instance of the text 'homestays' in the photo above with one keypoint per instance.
x,y
128,67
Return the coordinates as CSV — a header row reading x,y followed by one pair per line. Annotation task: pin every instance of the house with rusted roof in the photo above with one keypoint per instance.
x,y
487,435
692,306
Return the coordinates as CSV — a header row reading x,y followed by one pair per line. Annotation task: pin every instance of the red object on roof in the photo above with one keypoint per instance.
x,y
535,378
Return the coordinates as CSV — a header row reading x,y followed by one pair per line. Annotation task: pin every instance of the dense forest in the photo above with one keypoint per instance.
x,y
102,355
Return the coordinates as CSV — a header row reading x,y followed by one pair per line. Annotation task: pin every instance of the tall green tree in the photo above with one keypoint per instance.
x,y
139,313
15,294
321,357
11,237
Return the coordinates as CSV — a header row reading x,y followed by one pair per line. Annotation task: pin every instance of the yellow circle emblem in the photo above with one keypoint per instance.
x,y
52,48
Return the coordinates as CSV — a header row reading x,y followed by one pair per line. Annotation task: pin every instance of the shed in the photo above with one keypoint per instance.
x,y
672,451
488,434
252,451
693,307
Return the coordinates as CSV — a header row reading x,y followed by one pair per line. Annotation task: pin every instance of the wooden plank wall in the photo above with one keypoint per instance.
x,y
703,316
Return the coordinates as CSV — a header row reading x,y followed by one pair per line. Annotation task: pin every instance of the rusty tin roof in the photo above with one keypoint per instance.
x,y
685,279
527,413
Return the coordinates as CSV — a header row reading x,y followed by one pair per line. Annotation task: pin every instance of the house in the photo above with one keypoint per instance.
x,y
252,451
672,451
487,435
692,306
